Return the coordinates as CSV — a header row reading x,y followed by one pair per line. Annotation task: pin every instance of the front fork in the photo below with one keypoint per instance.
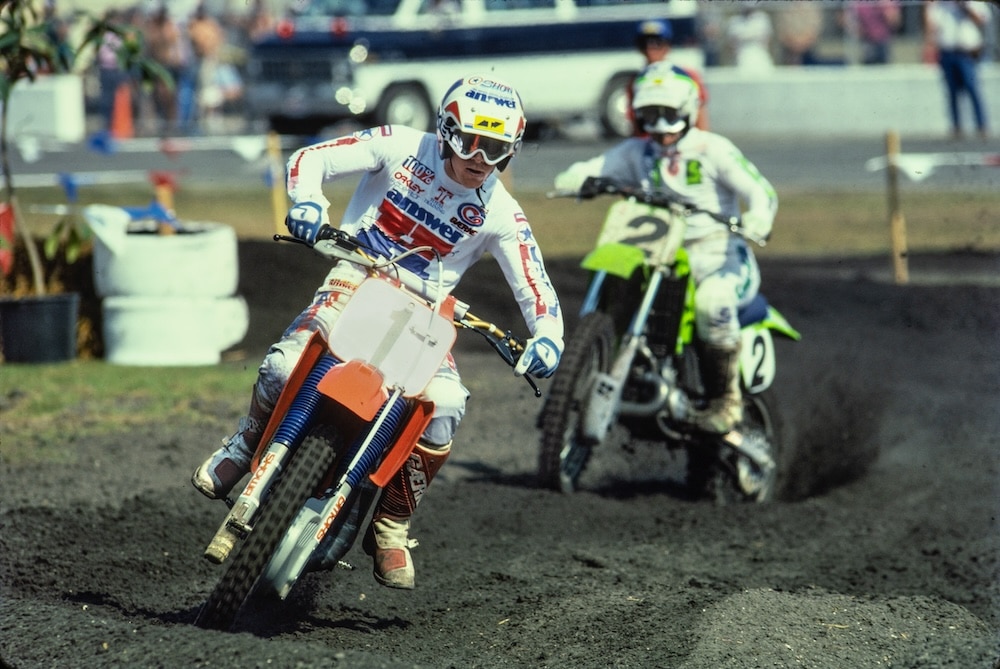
x,y
604,402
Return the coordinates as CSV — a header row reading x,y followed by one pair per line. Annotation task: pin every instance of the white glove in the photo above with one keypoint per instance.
x,y
756,227
540,358
570,180
305,219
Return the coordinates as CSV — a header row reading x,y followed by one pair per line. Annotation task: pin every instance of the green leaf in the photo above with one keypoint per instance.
x,y
51,246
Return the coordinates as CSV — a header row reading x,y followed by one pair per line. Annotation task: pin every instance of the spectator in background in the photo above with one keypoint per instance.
x,y
749,32
653,40
166,45
58,33
954,35
874,22
711,32
260,22
799,25
109,71
218,82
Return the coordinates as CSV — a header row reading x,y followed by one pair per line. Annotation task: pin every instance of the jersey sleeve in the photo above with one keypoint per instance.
x,y
311,166
743,178
516,251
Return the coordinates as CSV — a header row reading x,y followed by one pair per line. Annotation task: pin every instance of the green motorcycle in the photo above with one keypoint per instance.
x,y
633,360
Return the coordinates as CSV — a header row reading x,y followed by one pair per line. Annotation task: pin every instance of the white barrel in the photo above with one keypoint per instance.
x,y
201,261
163,331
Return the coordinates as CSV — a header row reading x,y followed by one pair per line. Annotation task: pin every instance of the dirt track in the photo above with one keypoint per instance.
x,y
886,555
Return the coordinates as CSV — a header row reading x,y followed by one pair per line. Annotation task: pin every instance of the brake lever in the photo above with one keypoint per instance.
x,y
505,351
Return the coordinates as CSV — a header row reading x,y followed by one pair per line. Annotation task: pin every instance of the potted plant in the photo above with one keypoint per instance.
x,y
30,47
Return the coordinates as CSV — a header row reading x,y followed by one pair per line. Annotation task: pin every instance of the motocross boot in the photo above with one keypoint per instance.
x,y
721,376
217,476
387,539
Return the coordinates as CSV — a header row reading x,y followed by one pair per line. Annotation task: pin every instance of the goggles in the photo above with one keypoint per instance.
x,y
660,120
466,145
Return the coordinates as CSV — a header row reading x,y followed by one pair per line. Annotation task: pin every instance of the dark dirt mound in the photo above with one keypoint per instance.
x,y
884,555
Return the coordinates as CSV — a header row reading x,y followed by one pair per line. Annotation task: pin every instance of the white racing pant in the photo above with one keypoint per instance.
x,y
726,278
445,390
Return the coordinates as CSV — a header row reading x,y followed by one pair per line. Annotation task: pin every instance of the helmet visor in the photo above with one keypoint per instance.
x,y
493,150
660,120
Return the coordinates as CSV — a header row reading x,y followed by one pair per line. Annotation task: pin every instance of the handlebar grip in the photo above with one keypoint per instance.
x,y
326,232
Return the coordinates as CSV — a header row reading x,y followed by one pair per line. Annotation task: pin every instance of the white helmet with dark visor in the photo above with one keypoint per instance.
x,y
665,100
481,114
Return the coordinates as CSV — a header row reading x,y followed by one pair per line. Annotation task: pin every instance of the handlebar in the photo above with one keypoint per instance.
x,y
337,244
594,186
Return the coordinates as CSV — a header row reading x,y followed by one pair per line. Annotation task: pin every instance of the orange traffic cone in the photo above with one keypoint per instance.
x,y
121,114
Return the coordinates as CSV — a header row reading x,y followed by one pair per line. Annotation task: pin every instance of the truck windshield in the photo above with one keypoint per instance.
x,y
347,8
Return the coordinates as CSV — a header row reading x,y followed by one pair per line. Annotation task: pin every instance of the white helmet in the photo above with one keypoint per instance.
x,y
481,114
665,100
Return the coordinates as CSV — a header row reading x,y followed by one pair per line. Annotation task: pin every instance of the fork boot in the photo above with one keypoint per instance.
x,y
387,539
721,376
224,468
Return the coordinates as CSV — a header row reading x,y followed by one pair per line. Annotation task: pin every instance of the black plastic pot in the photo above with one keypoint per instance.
x,y
39,329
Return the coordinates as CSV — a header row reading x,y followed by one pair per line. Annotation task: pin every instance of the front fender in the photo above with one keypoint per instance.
x,y
619,260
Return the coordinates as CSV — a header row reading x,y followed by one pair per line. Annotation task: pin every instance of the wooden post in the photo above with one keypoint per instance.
x,y
897,223
279,204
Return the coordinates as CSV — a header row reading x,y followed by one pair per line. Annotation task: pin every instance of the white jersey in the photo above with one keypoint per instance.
x,y
703,169
952,26
405,199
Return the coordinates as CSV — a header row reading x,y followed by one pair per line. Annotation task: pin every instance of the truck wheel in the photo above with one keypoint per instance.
x,y
614,114
405,104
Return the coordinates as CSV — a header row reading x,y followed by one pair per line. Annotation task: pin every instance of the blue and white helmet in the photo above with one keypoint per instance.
x,y
481,114
665,100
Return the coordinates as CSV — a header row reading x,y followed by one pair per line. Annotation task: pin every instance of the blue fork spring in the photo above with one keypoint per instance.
x,y
380,442
299,418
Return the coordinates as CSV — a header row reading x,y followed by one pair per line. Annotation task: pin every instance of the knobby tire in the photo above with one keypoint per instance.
x,y
305,472
563,454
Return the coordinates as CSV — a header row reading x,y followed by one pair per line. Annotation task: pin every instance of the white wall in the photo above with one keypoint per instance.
x,y
842,101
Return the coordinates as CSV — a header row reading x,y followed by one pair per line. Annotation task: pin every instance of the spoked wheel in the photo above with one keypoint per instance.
x,y
564,453
295,486
727,476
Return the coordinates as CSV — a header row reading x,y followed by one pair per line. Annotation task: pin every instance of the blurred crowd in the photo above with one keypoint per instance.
x,y
204,52
757,36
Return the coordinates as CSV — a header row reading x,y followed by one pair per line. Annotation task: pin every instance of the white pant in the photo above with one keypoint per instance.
x,y
445,390
726,278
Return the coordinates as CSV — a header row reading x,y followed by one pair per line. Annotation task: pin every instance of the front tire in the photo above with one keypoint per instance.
x,y
305,472
564,452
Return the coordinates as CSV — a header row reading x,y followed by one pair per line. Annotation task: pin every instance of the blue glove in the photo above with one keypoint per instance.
x,y
305,219
540,358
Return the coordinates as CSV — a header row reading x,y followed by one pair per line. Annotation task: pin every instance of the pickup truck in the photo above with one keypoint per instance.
x,y
389,61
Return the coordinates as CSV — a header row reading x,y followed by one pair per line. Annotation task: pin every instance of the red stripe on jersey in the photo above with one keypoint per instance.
x,y
293,169
528,267
396,225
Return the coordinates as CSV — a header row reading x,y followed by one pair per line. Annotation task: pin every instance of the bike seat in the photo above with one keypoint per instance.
x,y
754,312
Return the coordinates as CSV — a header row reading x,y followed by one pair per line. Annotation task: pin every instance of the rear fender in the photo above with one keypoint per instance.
x,y
758,362
775,321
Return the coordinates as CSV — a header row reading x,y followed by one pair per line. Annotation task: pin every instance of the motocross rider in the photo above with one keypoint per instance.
x,y
417,189
706,170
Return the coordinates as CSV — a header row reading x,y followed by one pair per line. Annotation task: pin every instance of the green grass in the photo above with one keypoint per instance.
x,y
43,408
